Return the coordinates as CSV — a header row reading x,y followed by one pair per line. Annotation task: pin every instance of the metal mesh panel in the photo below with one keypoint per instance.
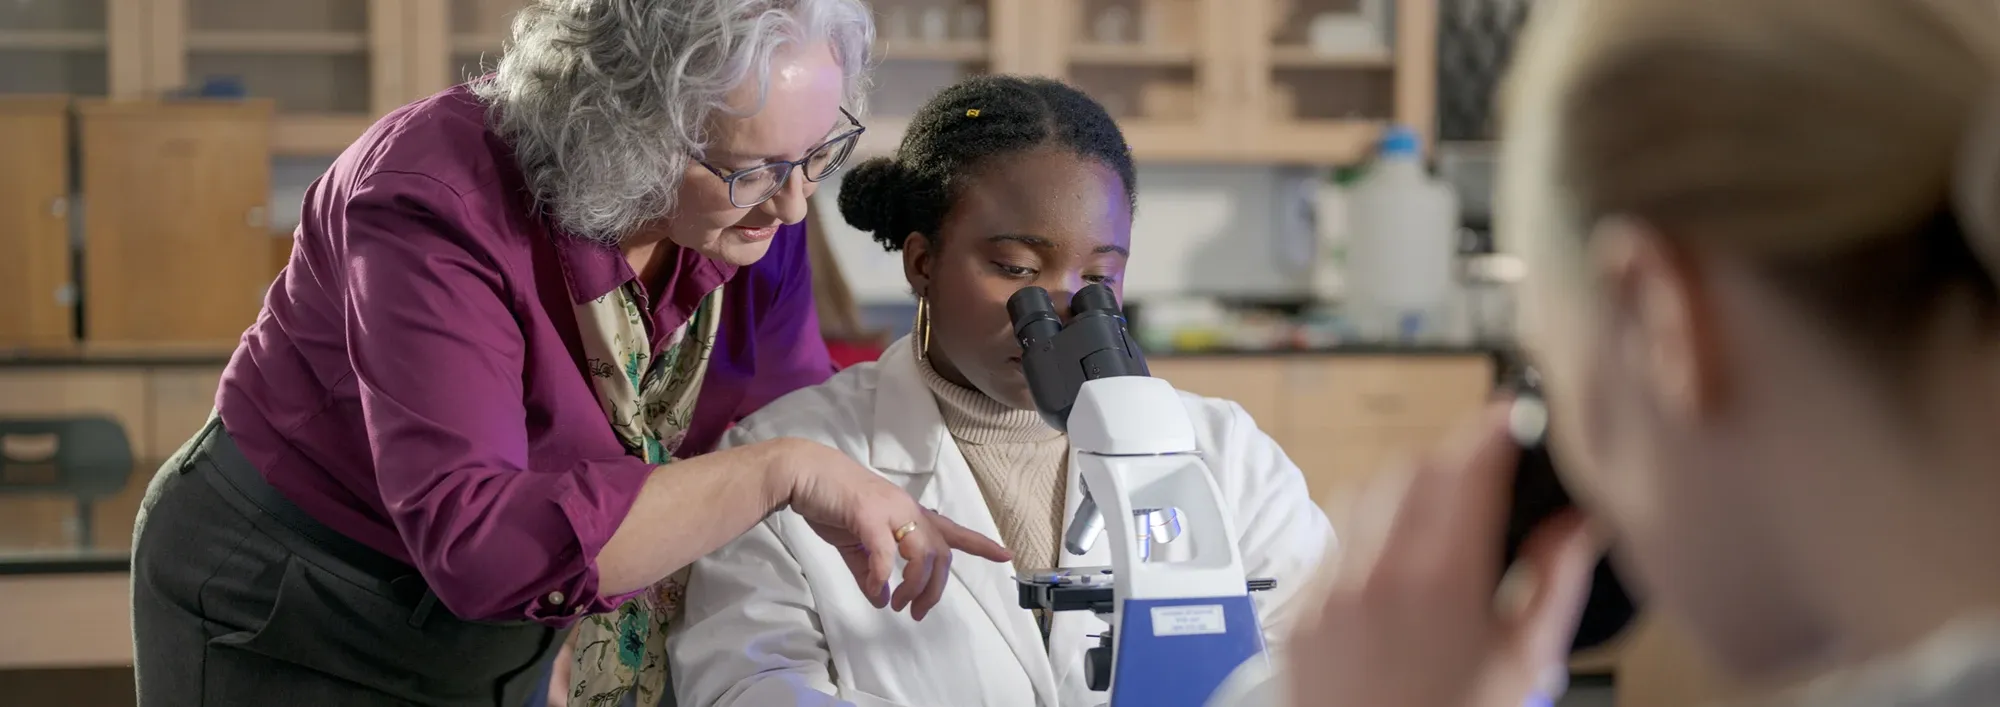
x,y
1475,39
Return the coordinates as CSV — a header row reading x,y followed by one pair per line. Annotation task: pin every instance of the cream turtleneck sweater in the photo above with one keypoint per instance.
x,y
1019,461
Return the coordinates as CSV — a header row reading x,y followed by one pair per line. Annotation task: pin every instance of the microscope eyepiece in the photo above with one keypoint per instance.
x,y
1093,298
1033,314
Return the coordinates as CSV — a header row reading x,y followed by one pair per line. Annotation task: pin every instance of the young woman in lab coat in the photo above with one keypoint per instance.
x,y
1002,183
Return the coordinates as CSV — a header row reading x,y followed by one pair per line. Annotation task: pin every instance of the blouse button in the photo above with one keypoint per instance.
x,y
556,598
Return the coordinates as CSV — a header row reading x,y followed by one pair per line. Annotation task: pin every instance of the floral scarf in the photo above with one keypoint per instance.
x,y
650,404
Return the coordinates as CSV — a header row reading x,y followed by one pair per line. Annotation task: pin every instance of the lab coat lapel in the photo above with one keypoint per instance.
x,y
910,437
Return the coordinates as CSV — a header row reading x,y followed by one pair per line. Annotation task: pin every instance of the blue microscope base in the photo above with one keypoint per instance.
x,y
1177,652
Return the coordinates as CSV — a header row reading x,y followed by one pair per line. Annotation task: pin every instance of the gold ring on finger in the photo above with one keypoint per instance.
x,y
905,530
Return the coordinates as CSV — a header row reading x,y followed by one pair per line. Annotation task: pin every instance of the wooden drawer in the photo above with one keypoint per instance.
x,y
48,522
180,400
35,283
66,621
1659,665
119,394
1344,392
1256,383
1337,464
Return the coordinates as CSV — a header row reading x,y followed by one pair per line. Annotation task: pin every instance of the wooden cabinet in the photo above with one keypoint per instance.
x,y
176,239
1163,68
329,66
1326,98
1342,418
467,44
36,291
1189,80
41,523
75,47
178,402
1658,665
1238,81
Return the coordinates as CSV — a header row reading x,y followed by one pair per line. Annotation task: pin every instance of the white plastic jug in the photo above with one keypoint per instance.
x,y
1401,241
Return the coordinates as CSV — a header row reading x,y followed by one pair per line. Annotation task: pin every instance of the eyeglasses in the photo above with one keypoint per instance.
x,y
758,184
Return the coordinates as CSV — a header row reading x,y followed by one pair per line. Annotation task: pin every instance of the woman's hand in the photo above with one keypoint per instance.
x,y
1411,617
863,515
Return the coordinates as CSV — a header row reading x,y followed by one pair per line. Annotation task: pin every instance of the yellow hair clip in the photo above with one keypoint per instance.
x,y
972,112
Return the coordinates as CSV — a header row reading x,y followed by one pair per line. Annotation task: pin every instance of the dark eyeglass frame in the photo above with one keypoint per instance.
x,y
784,169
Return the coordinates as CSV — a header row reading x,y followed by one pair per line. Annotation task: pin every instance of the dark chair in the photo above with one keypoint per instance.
x,y
85,457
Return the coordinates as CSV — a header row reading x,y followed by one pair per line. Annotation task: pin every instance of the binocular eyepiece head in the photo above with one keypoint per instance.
x,y
1034,312
1059,356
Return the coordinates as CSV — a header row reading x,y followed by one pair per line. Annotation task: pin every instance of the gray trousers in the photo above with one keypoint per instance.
x,y
235,602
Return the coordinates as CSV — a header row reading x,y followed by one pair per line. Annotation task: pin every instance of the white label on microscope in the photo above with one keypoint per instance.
x,y
1191,620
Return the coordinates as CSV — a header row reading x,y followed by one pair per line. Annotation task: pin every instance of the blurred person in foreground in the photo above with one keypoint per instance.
x,y
1762,238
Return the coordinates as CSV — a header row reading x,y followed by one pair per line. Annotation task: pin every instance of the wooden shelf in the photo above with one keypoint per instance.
x,y
312,135
474,43
1172,141
66,612
1292,142
1295,57
884,134
60,41
278,42
1100,54
927,50
1298,141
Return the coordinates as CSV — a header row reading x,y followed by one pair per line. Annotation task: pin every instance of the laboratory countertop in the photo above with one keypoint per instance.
x,y
15,564
1355,349
123,358
210,359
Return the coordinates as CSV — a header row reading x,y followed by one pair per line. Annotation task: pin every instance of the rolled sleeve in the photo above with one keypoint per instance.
x,y
791,352
750,635
438,359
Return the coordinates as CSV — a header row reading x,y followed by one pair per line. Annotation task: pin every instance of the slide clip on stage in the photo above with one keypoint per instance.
x,y
1175,595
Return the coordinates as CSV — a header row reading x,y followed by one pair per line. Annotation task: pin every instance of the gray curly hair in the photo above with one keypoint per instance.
x,y
606,102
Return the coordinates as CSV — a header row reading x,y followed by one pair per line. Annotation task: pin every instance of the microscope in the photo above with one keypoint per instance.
x,y
1175,595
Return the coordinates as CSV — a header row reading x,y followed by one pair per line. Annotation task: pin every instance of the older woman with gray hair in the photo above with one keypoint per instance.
x,y
479,405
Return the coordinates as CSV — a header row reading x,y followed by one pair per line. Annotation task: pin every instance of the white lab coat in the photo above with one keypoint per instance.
x,y
774,618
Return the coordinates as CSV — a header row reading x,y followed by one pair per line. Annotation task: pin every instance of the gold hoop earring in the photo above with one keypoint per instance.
x,y
921,329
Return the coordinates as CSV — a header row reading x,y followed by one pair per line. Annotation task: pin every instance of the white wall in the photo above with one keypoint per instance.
x,y
1200,230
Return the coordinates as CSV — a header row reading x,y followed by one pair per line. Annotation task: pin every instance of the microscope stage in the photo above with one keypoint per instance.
x,y
1078,588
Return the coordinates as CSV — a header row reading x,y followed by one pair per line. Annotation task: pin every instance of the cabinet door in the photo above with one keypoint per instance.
x,y
42,523
330,66
176,241
926,45
66,47
1357,392
1253,382
35,293
1161,67
1321,78
1339,464
477,32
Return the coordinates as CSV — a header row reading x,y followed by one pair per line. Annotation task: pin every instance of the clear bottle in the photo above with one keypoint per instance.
x,y
1401,243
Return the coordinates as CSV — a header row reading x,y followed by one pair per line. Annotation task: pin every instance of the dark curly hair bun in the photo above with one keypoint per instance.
x,y
867,201
969,122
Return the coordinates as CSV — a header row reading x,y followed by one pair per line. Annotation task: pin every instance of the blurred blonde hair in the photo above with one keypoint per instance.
x,y
1819,138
